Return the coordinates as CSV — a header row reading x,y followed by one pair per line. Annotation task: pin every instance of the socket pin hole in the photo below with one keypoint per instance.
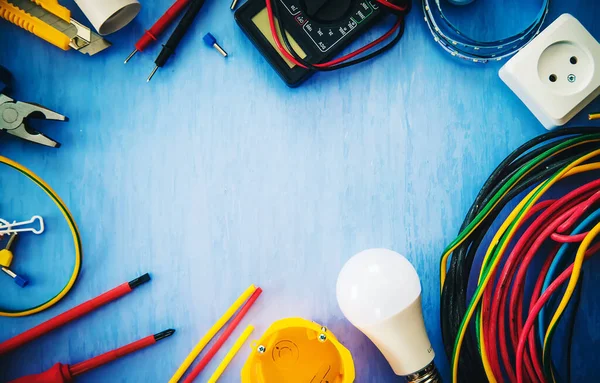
x,y
573,60
552,78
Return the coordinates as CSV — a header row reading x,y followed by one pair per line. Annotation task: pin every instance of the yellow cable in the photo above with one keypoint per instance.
x,y
187,362
484,357
543,188
231,354
74,231
445,256
577,264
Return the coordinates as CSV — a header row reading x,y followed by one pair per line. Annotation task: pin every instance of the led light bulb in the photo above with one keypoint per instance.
x,y
379,292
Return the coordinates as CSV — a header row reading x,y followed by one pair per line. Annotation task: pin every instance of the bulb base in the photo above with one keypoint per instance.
x,y
428,374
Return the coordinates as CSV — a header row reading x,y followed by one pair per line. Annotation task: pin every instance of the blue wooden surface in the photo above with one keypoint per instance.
x,y
216,175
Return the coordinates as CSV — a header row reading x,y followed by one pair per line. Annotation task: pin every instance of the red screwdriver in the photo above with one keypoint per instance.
x,y
159,26
62,373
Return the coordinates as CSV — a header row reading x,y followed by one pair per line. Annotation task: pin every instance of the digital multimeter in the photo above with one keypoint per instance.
x,y
317,29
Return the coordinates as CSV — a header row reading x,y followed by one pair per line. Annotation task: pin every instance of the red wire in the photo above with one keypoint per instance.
x,y
355,53
392,6
223,338
515,316
497,319
491,311
576,215
537,290
568,238
533,313
500,295
516,301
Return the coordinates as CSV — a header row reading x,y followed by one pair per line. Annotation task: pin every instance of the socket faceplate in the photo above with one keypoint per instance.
x,y
557,74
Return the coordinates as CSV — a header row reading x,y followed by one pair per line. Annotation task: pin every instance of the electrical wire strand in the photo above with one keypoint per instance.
x,y
556,265
76,242
453,302
573,280
553,288
509,226
505,188
568,141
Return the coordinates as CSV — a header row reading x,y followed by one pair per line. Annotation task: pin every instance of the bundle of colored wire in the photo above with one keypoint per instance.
x,y
490,331
458,44
399,9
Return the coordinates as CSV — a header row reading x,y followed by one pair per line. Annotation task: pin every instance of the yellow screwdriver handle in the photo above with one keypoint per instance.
x,y
33,25
55,8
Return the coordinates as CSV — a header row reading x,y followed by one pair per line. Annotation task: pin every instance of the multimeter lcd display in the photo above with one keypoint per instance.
x,y
261,20
318,30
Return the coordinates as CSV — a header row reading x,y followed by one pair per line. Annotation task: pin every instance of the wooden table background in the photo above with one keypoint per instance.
x,y
215,175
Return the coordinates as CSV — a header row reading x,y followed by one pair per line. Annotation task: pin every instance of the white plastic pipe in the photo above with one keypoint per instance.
x,y
108,16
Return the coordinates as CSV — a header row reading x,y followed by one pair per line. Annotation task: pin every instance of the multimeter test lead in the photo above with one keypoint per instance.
x,y
181,29
159,27
210,41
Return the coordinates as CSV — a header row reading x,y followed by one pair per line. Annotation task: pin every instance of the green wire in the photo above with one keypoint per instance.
x,y
512,181
486,266
493,258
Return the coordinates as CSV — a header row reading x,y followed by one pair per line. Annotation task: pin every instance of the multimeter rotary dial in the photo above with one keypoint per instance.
x,y
326,11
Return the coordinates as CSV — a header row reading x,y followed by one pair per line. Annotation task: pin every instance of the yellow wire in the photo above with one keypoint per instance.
x,y
187,362
484,356
469,314
445,256
231,354
74,231
443,271
577,264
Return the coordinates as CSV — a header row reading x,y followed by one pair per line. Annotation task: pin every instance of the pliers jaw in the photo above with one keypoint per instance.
x,y
14,115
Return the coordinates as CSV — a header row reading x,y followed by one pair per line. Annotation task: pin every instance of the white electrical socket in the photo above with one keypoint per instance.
x,y
558,73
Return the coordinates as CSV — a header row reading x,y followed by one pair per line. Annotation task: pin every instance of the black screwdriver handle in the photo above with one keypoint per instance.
x,y
181,29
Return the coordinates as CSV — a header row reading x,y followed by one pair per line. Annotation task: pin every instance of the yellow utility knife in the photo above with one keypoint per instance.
x,y
52,22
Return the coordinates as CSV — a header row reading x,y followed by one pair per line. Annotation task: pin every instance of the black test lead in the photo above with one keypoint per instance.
x,y
181,29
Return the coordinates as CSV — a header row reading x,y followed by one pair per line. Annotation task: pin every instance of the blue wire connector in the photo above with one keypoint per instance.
x,y
212,42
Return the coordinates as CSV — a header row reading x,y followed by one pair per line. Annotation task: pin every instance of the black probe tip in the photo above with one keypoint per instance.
x,y
139,281
164,334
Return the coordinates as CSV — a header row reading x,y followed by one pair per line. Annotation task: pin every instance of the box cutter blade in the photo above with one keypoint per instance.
x,y
80,37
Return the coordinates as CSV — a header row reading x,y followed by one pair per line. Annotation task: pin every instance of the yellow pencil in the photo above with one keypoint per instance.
x,y
594,116
231,354
211,333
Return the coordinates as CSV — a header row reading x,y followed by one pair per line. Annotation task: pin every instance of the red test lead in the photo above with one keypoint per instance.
x,y
159,26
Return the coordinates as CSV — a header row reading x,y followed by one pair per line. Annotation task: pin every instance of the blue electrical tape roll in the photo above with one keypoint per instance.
x,y
459,45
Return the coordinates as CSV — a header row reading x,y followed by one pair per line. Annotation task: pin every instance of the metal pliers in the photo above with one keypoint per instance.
x,y
14,115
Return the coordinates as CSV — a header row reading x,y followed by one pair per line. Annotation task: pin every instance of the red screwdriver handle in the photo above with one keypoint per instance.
x,y
59,373
64,318
161,24
80,368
